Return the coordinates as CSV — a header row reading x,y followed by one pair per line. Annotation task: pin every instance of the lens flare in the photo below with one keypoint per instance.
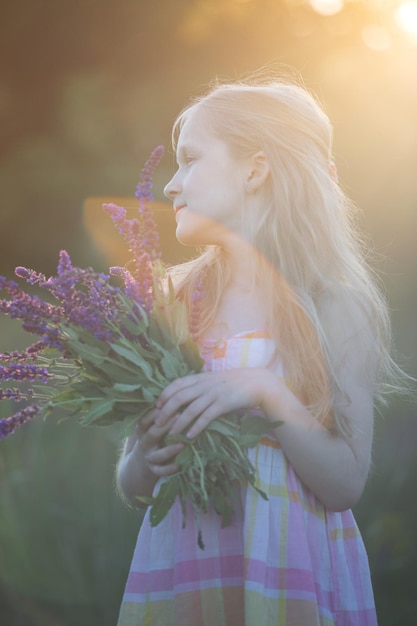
x,y
376,37
327,7
406,17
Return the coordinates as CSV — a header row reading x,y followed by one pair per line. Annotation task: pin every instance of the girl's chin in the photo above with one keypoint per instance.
x,y
190,239
193,230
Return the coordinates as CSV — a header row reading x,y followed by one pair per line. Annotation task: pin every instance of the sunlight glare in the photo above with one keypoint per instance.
x,y
406,17
376,37
327,7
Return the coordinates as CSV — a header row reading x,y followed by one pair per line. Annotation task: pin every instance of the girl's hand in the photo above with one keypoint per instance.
x,y
157,456
199,399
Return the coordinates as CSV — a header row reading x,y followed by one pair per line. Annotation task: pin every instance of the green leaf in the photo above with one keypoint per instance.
x,y
121,372
86,352
149,396
135,327
97,410
148,500
126,387
256,425
226,428
192,356
164,500
171,366
184,458
133,357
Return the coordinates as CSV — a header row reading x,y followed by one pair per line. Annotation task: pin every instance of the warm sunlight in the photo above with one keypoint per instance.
x,y
406,17
327,7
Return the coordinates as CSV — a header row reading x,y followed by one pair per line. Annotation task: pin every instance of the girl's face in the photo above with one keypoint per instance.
x,y
207,189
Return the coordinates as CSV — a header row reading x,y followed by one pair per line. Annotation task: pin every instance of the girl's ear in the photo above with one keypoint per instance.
x,y
259,171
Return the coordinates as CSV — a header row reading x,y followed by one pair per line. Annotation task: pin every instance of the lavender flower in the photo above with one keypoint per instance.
x,y
197,296
88,316
15,394
65,263
141,236
149,235
86,299
9,424
24,371
133,289
37,316
144,187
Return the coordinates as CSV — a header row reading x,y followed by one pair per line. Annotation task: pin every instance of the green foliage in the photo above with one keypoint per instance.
x,y
66,538
387,516
209,465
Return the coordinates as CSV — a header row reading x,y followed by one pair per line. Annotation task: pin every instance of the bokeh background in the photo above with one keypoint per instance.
x,y
87,89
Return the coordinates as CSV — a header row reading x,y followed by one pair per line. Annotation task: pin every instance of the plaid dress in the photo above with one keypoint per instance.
x,y
285,561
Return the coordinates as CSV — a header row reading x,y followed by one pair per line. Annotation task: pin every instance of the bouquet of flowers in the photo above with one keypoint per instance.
x,y
106,350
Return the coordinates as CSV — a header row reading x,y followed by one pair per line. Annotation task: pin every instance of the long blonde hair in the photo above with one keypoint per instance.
x,y
311,253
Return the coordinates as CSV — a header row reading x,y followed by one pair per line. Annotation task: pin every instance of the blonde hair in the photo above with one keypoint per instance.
x,y
310,253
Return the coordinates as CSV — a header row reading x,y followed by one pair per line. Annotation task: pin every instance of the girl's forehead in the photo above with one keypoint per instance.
x,y
193,132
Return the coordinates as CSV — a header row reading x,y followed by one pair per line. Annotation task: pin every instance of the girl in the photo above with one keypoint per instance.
x,y
293,326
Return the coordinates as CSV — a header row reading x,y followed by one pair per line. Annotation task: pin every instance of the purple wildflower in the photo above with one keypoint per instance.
x,y
8,357
196,297
35,348
30,276
87,300
141,235
37,316
126,227
24,371
86,303
15,394
144,187
64,263
131,231
140,292
149,233
9,424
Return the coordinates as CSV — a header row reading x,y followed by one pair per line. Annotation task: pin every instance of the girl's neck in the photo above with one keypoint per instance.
x,y
242,262
240,309
241,306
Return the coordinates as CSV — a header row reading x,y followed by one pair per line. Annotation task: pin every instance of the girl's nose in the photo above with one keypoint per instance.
x,y
172,188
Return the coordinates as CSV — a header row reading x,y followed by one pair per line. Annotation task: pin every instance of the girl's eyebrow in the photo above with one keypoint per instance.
x,y
183,150
180,151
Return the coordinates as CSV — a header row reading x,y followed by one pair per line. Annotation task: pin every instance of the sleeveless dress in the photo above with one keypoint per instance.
x,y
285,561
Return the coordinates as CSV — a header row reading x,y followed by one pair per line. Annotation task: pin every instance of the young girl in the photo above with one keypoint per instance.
x,y
292,326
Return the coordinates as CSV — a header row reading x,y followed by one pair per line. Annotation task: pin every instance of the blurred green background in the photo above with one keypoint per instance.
x,y
87,89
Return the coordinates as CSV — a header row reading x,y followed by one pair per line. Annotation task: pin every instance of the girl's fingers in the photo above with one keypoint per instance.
x,y
179,403
175,387
192,402
148,427
160,460
161,456
164,470
181,391
145,422
202,405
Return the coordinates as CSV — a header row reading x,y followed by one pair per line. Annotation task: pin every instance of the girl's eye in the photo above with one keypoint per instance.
x,y
189,159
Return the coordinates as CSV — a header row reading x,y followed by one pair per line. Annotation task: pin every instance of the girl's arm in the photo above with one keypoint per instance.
x,y
334,467
143,461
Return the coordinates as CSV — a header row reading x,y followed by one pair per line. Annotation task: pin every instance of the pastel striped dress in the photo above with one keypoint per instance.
x,y
285,561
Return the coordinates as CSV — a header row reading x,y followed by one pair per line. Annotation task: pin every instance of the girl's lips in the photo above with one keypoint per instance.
x,y
178,208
